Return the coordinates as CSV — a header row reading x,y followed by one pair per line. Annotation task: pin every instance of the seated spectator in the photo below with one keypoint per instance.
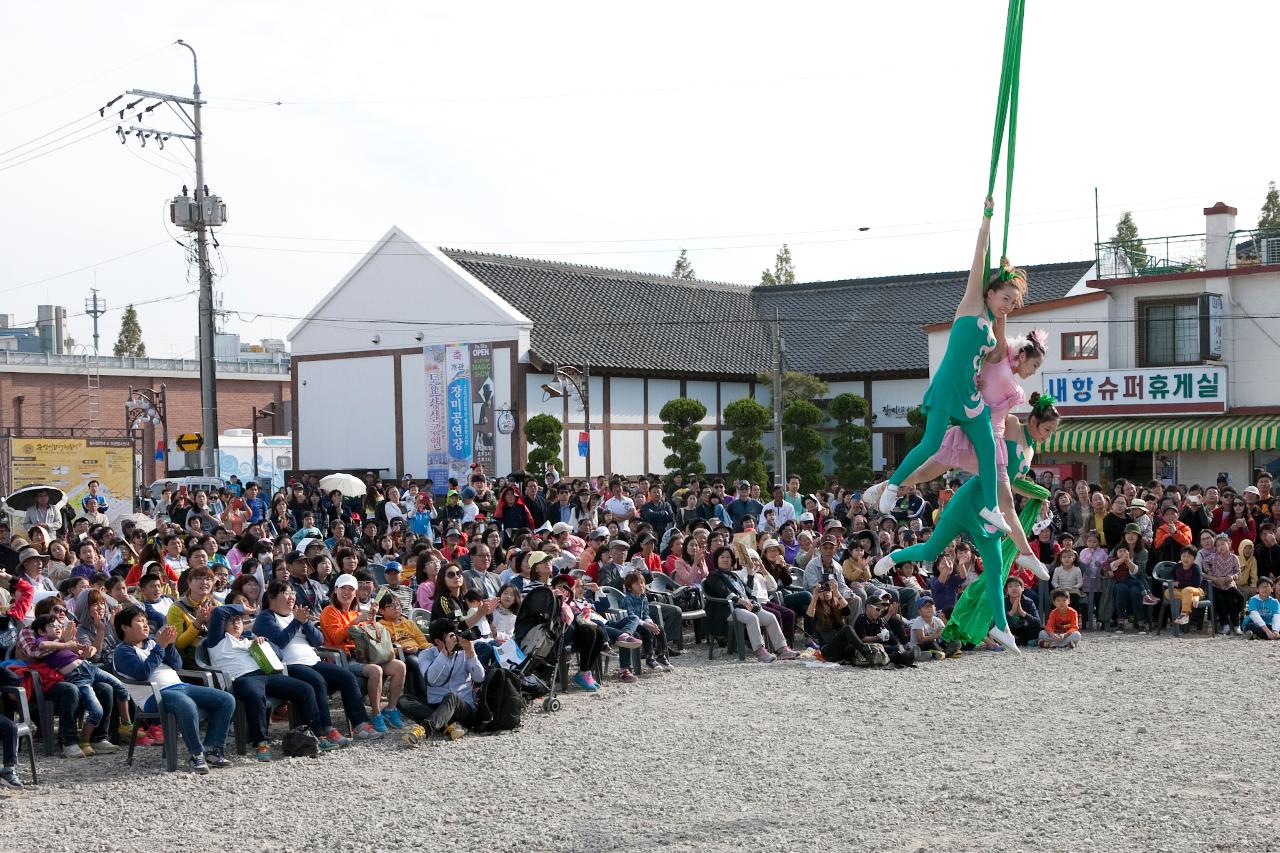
x,y
652,639
1126,586
229,647
297,635
426,569
723,583
586,636
452,673
504,616
404,632
946,584
829,612
926,633
872,630
70,658
1221,569
1262,615
690,568
156,662
1062,627
1022,613
336,621
9,736
1187,590
190,614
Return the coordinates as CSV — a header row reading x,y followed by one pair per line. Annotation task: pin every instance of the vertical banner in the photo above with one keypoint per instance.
x,y
482,407
457,371
437,441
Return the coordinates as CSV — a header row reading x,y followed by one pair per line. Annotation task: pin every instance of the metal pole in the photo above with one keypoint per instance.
x,y
208,379
254,430
163,411
584,393
778,454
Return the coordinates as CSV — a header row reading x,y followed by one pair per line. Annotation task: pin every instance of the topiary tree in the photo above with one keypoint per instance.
x,y
852,440
546,433
680,419
800,421
748,420
916,418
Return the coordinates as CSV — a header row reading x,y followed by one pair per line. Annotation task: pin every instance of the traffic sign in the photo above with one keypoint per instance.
x,y
190,442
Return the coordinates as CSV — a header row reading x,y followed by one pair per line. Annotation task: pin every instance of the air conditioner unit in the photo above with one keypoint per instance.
x,y
1269,250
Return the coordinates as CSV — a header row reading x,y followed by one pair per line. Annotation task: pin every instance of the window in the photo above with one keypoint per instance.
x,y
1168,332
1079,345
895,449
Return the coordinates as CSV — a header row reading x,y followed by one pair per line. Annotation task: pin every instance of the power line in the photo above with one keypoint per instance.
x,y
84,82
85,268
93,132
50,133
172,297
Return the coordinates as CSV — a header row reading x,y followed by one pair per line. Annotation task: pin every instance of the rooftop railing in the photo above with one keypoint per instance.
x,y
79,362
1181,253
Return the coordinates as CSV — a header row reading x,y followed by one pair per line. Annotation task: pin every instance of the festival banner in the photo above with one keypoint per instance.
x,y
70,463
482,406
437,441
457,369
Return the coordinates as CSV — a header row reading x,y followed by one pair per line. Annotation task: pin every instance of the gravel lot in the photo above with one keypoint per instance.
x,y
1128,743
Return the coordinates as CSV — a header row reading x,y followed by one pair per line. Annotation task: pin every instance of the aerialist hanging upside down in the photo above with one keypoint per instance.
x,y
953,397
980,612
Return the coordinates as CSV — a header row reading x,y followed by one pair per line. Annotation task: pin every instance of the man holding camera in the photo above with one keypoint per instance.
x,y
452,673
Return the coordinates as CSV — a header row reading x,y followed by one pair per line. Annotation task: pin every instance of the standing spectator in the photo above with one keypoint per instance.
x,y
784,510
657,512
1169,538
1066,516
619,505
743,507
1267,550
1222,569
253,500
1248,580
1234,520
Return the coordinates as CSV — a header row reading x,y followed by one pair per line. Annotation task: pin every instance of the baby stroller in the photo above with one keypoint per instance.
x,y
540,634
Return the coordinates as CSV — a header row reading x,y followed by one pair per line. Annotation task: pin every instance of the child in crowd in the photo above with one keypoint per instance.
x,y
155,663
68,658
653,640
1062,626
504,617
1068,576
1092,558
1262,613
926,632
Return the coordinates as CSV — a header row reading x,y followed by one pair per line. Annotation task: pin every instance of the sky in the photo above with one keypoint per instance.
x,y
607,134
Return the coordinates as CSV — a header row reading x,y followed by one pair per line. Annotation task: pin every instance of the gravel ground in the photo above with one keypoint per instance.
x,y
1127,743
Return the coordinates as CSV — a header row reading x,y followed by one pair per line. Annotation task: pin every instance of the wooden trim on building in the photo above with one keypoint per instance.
x,y
397,388
605,419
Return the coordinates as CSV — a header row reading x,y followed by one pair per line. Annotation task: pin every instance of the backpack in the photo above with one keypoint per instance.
x,y
501,705
372,642
300,743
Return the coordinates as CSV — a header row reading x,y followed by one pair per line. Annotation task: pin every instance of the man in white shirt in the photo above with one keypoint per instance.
x,y
784,511
621,506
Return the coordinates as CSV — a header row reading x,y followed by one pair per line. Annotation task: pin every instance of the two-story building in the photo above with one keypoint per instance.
x,y
1166,365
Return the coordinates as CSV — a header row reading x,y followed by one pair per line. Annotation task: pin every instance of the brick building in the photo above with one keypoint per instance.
x,y
41,392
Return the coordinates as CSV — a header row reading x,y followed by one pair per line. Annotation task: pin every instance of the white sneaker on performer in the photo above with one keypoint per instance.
x,y
1028,561
1040,525
995,518
888,499
871,497
1005,639
883,566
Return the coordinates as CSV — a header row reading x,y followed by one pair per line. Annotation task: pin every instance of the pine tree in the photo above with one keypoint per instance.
x,y
784,269
684,267
1269,218
748,420
681,420
129,343
1126,240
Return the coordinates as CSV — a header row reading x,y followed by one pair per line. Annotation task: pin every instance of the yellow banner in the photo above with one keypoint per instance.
x,y
70,463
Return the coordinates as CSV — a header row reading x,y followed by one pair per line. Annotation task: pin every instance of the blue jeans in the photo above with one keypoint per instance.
x,y
615,628
1128,598
83,678
186,701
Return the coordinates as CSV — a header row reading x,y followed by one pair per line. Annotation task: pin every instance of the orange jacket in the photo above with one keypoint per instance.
x,y
1181,534
334,624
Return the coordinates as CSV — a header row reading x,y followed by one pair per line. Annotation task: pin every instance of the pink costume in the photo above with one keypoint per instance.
x,y
1001,391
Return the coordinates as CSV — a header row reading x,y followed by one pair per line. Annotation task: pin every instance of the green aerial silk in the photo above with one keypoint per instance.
x,y
1007,114
971,619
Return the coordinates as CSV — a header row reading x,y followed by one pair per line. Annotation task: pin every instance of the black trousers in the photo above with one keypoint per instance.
x,y
588,641
451,710
844,645
1227,604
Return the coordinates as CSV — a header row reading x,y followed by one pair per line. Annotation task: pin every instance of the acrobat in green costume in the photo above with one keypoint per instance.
x,y
981,605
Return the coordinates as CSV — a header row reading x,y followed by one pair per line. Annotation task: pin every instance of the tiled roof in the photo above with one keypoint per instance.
x,y
639,322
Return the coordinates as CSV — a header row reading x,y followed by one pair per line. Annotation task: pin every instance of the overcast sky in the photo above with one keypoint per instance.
x,y
610,134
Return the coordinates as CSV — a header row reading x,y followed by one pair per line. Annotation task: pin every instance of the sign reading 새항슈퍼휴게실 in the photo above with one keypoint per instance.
x,y
1190,390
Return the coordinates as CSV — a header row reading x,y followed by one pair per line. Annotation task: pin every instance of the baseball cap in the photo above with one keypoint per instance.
x,y
392,566
560,527
806,516
744,484
834,523
600,533
345,580
1252,490
293,556
452,531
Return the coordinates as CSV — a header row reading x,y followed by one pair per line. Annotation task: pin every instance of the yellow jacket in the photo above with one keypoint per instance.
x,y
406,635
189,633
1248,565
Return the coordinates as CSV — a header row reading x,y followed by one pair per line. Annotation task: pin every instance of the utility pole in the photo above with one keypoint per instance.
x,y
779,348
95,308
195,213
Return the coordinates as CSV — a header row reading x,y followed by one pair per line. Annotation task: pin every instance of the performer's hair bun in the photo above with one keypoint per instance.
x,y
1042,407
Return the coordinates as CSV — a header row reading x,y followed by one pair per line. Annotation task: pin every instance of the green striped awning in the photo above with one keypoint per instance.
x,y
1207,433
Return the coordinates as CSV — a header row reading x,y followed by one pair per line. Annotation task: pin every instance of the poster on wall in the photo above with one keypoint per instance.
x,y
70,463
482,406
450,428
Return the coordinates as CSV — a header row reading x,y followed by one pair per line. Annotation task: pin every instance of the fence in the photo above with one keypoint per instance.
x,y
140,365
1180,253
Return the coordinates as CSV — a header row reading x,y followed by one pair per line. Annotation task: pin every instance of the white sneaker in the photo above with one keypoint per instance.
x,y
1238,631
883,566
1226,629
871,496
888,499
995,518
1005,639
1028,561
72,750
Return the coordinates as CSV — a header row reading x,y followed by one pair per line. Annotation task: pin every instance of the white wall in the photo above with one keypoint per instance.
x,y
1203,468
345,409
577,464
504,398
892,393
661,392
705,393
402,280
709,439
1251,343
657,450
732,392
413,400
533,395
626,400
626,451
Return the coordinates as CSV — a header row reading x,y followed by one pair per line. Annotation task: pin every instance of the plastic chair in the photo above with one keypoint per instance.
x,y
240,723
168,722
24,722
721,624
662,584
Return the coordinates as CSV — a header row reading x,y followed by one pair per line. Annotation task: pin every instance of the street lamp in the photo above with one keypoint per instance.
x,y
580,381
262,414
145,406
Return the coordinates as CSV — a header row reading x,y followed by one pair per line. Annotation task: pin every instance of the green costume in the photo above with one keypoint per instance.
x,y
953,397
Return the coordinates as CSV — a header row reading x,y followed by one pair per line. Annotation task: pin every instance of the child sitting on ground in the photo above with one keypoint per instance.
x,y
1262,613
1062,626
69,658
926,633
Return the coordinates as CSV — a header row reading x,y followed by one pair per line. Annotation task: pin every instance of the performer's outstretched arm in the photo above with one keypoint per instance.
x,y
973,303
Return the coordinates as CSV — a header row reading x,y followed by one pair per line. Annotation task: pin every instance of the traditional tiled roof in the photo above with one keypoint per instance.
x,y
640,322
